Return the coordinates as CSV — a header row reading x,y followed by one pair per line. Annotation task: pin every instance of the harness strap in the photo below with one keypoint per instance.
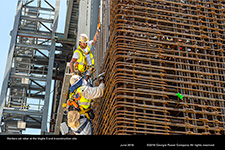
x,y
83,111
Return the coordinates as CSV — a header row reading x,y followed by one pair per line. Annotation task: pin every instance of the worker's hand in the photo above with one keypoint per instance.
x,y
98,27
72,73
92,69
101,79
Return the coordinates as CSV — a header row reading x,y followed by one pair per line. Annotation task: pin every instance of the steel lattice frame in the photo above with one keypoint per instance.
x,y
27,83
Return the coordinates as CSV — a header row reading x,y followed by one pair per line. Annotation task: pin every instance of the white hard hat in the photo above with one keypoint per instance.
x,y
83,38
74,79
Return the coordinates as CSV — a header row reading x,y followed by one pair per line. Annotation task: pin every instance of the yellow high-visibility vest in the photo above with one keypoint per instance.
x,y
82,61
83,102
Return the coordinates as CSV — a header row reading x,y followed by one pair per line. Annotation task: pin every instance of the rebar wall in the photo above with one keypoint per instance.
x,y
157,49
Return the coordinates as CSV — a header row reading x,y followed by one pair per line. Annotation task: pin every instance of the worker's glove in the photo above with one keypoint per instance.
x,y
72,73
101,78
99,27
92,69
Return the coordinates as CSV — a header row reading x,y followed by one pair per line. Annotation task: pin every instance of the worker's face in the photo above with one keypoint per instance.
x,y
83,45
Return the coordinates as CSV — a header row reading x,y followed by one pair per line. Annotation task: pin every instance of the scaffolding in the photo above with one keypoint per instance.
x,y
26,87
154,50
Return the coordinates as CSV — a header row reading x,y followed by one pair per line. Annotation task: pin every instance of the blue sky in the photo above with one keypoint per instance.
x,y
7,13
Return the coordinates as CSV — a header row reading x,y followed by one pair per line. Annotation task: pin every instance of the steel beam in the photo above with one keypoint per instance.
x,y
22,112
31,46
36,19
34,35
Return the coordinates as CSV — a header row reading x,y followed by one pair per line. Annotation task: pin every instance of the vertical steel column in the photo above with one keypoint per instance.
x,y
9,59
50,69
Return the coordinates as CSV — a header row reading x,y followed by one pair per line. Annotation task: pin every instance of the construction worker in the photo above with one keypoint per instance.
x,y
80,114
82,56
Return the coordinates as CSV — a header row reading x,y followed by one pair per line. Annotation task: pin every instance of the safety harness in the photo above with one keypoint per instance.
x,y
73,102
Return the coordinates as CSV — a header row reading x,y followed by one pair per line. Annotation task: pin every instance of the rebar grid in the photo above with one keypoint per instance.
x,y
157,49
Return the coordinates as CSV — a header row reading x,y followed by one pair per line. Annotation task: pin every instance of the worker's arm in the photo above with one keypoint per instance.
x,y
73,60
96,34
93,92
95,38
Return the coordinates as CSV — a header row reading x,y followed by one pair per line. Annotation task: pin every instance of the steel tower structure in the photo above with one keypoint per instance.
x,y
28,75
